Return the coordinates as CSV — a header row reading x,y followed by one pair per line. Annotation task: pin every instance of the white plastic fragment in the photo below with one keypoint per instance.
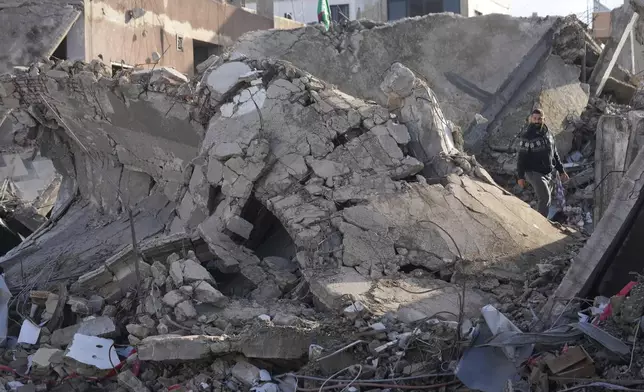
x,y
94,351
264,317
29,333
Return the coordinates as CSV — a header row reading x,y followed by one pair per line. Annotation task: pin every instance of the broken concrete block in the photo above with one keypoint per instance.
x,y
223,78
366,219
204,292
78,305
102,326
187,290
129,381
277,343
176,273
94,279
240,226
286,320
325,168
245,373
219,369
285,280
215,172
172,298
266,290
41,361
159,273
185,310
109,311
240,188
366,246
175,347
399,132
399,81
96,303
224,151
138,330
162,329
276,263
194,272
172,258
147,321
166,75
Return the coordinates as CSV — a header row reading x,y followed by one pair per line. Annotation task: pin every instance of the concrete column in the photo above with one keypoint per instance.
x,y
611,147
266,8
635,137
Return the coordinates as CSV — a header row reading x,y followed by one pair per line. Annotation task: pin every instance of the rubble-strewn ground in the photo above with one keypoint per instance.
x,y
259,227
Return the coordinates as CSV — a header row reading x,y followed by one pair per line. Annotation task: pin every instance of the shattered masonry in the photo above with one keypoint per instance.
x,y
327,165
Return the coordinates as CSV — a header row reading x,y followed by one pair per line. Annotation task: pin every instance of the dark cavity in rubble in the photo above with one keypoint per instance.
x,y
349,135
268,237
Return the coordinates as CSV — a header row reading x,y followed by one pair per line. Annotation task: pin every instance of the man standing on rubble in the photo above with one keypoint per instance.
x,y
538,158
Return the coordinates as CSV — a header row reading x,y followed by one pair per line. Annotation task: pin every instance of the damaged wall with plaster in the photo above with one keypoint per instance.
x,y
134,40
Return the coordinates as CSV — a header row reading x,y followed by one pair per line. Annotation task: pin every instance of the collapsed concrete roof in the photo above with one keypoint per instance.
x,y
34,29
495,65
333,169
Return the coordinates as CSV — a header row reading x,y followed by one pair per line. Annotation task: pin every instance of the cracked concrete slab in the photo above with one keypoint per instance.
x,y
35,29
484,56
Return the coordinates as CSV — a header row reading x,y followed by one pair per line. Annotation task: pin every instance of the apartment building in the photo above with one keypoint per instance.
x,y
305,11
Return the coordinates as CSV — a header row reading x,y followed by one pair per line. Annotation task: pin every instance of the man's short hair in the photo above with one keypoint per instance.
x,y
538,111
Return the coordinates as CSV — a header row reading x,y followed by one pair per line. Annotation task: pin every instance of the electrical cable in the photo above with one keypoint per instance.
x,y
384,380
392,386
339,372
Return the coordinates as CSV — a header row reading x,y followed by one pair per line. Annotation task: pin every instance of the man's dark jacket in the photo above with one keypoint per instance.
x,y
537,151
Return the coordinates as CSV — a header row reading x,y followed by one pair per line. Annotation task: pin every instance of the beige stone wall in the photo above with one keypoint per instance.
x,y
133,42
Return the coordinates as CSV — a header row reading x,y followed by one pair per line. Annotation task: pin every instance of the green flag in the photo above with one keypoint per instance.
x,y
324,13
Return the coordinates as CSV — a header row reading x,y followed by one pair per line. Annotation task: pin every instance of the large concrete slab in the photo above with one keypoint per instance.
x,y
464,60
34,29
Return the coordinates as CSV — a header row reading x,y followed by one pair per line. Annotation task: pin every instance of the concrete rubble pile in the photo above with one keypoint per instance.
x,y
224,231
486,91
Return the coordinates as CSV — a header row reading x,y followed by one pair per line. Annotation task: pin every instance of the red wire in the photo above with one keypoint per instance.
x,y
136,368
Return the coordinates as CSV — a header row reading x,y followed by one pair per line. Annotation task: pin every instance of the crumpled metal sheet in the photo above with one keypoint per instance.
x,y
604,338
488,368
555,336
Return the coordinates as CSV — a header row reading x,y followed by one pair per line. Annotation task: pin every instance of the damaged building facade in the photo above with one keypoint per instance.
x,y
383,10
278,204
125,34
